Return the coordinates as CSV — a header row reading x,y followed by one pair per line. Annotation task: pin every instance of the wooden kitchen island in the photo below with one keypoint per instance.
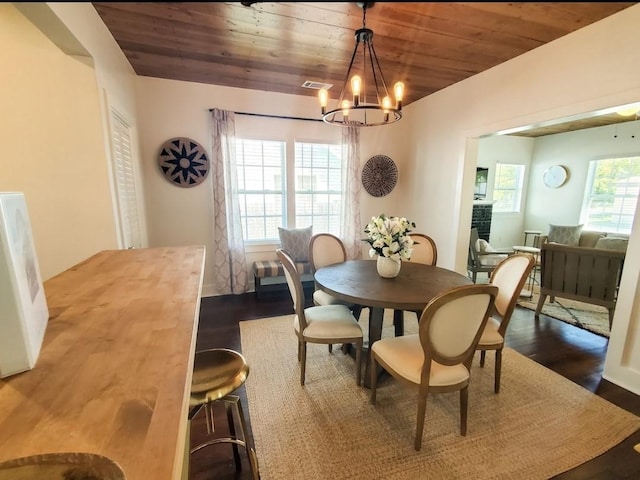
x,y
114,372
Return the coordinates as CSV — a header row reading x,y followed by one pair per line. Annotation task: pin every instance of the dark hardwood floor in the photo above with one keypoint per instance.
x,y
573,353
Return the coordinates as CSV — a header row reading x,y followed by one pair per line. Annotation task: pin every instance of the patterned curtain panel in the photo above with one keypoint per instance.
x,y
351,228
230,266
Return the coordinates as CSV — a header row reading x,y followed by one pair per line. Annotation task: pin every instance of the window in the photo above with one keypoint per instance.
x,y
319,186
611,194
261,188
317,197
507,189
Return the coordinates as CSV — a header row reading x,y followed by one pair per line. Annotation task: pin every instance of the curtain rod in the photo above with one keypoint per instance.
x,y
276,116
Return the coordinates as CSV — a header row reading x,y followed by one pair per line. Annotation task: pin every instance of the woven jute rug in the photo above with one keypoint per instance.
x,y
594,318
539,425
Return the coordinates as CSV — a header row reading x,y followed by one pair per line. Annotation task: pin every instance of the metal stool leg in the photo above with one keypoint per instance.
x,y
232,403
232,432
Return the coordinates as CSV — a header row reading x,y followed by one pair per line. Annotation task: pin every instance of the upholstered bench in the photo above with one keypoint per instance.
x,y
273,269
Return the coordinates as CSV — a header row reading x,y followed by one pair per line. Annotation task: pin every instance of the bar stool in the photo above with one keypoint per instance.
x,y
217,373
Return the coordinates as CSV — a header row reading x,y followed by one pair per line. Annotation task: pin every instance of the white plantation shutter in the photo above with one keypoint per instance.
x,y
125,181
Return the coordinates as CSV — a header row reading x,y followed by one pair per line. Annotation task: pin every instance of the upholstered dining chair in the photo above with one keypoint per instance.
x,y
324,324
424,251
438,358
509,276
326,249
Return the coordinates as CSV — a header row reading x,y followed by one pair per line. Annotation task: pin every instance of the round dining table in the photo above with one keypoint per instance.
x,y
358,282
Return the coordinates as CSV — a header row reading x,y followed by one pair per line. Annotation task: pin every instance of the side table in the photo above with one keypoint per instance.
x,y
535,233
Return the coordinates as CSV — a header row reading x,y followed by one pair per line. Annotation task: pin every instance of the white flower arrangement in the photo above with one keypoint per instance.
x,y
389,237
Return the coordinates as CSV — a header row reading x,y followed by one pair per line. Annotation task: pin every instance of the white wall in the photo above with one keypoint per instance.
x,y
53,146
506,228
574,150
116,90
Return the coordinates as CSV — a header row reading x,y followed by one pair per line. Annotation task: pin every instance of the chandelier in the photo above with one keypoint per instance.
x,y
359,112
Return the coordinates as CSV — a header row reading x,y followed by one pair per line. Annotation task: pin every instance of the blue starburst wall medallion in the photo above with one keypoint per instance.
x,y
183,162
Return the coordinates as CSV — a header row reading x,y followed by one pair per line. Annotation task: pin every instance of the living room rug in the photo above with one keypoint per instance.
x,y
594,318
540,424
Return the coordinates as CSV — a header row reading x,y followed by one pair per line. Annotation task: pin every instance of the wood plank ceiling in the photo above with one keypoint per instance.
x,y
277,47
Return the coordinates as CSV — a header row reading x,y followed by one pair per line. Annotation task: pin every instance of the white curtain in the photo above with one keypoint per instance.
x,y
351,229
229,262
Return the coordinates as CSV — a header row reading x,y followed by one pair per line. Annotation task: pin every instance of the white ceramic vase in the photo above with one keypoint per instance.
x,y
388,268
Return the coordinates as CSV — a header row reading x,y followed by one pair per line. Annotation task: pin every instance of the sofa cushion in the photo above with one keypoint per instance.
x,y
590,238
565,234
613,243
296,242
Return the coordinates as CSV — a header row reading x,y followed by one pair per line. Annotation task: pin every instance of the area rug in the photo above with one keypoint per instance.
x,y
538,426
594,318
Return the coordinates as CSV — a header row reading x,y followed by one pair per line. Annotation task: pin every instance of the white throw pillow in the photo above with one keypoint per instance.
x,y
482,246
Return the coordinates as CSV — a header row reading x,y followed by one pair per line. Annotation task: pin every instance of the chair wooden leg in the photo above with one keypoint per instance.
x,y
373,381
359,362
303,362
483,354
543,297
464,404
496,387
422,408
330,348
398,322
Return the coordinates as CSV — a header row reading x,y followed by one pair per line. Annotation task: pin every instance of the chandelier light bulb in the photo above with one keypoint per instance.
x,y
398,91
356,87
323,96
345,108
386,106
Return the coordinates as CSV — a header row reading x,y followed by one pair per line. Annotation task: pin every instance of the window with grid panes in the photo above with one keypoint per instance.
x,y
261,188
319,186
507,187
611,195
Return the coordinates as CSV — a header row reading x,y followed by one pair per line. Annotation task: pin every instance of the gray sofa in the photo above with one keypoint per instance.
x,y
589,272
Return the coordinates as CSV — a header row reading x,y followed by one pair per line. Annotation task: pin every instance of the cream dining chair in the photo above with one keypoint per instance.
x,y
424,251
325,324
509,276
326,249
438,358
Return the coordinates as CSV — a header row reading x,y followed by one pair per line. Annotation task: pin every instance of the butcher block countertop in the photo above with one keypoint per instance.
x,y
114,372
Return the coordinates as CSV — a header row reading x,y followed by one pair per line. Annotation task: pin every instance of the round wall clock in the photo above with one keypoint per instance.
x,y
183,162
379,175
555,176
